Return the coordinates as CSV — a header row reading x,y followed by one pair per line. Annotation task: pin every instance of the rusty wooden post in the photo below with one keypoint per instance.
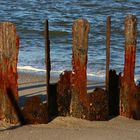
x,y
9,46
47,53
130,48
108,29
129,92
80,32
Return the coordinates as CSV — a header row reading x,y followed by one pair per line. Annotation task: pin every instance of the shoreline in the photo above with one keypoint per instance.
x,y
31,84
41,77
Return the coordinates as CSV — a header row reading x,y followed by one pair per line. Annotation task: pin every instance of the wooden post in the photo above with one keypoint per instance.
x,y
130,48
9,46
47,53
108,29
90,106
129,92
80,32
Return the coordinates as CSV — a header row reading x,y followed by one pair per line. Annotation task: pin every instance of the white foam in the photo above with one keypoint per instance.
x,y
33,69
30,68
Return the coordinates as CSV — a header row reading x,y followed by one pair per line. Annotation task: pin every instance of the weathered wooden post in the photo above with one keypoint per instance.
x,y
129,92
79,103
90,106
108,30
9,46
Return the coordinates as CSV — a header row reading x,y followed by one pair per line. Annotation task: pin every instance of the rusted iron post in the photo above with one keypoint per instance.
x,y
9,46
129,92
108,30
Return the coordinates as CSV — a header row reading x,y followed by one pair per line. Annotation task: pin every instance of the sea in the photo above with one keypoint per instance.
x,y
29,17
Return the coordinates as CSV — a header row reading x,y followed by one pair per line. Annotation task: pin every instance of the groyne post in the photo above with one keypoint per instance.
x,y
51,88
108,30
129,92
47,60
47,55
79,103
9,46
90,106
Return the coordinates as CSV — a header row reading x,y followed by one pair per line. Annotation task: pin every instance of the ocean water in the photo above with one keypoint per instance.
x,y
30,15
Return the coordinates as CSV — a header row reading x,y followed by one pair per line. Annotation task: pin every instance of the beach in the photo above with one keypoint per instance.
x,y
29,18
66,128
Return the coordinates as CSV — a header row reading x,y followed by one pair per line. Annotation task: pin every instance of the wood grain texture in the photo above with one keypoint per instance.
x,y
129,92
9,46
90,106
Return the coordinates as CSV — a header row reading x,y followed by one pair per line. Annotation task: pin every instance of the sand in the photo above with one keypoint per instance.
x,y
66,128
